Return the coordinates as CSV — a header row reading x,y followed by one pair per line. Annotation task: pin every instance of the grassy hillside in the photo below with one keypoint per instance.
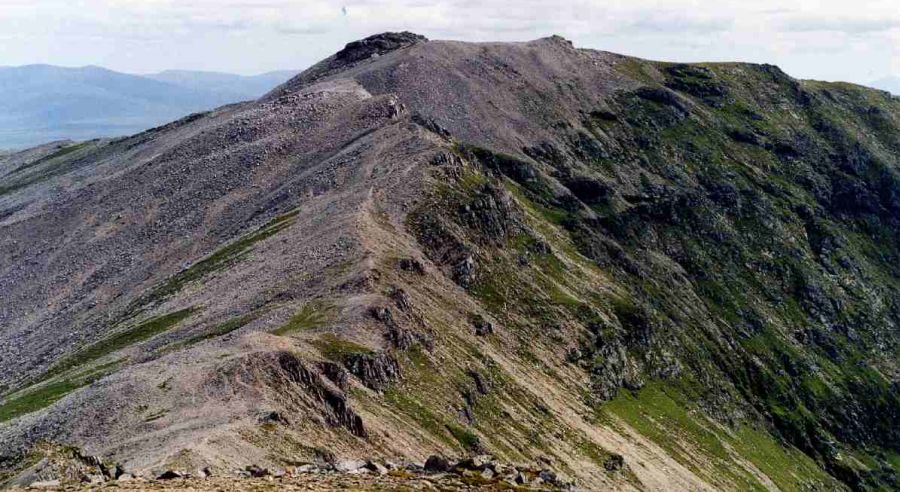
x,y
749,224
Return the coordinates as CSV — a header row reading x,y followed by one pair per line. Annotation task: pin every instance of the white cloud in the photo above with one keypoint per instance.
x,y
845,25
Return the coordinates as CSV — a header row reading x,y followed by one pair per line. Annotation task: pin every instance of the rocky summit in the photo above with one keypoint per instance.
x,y
606,273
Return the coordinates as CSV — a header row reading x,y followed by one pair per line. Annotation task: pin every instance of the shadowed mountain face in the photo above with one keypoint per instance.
x,y
42,103
654,276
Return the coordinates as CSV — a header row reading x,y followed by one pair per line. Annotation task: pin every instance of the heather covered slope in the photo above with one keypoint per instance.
x,y
549,254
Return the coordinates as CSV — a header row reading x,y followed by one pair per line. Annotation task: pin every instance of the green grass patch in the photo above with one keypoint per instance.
x,y
53,166
662,413
335,348
311,315
37,398
120,340
59,153
788,467
592,451
418,412
654,413
466,439
893,459
34,400
560,297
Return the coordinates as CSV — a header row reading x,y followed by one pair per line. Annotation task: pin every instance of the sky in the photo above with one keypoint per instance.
x,y
856,41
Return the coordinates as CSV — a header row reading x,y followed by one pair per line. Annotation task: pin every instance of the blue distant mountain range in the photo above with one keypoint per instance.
x,y
42,103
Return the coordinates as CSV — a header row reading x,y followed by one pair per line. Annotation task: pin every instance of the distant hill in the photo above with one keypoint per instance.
x,y
229,86
890,84
42,103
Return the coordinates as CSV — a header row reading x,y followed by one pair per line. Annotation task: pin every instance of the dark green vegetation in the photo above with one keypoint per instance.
x,y
65,376
44,395
68,149
61,384
36,399
125,338
60,162
750,225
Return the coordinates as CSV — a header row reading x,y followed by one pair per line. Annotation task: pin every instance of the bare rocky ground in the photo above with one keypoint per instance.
x,y
437,473
425,247
308,483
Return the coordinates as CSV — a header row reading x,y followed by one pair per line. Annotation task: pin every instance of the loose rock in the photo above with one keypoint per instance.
x,y
349,465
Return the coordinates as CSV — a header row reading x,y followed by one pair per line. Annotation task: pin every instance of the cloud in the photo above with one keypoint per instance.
x,y
675,22
844,25
302,30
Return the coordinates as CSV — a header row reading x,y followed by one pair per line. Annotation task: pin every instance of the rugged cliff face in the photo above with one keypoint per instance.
x,y
650,275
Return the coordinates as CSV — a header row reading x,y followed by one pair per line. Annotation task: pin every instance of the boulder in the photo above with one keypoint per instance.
x,y
482,326
307,468
377,468
347,466
377,45
614,462
375,371
521,479
477,463
45,484
94,478
401,299
115,472
169,475
256,471
437,464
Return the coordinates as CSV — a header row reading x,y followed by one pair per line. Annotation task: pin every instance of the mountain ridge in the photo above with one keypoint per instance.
x,y
654,275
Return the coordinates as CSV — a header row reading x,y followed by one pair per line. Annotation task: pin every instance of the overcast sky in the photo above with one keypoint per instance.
x,y
856,40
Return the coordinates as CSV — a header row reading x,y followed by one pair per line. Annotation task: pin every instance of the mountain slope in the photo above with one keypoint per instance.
x,y
44,103
652,276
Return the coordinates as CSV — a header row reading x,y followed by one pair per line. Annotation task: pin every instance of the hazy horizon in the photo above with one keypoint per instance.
x,y
211,72
826,40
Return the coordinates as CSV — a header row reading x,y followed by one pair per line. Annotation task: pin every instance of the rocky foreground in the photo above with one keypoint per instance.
x,y
336,482
392,481
73,471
